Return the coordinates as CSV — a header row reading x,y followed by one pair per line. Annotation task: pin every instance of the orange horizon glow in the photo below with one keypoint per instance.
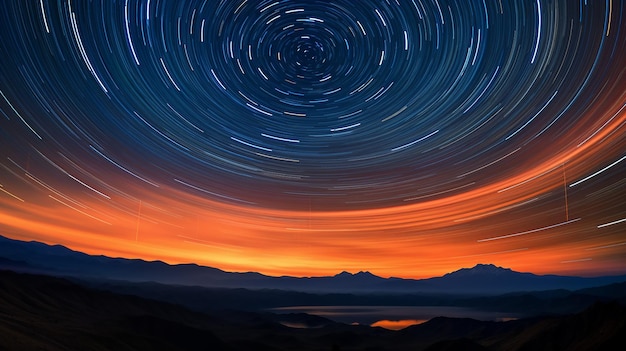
x,y
419,240
427,238
418,149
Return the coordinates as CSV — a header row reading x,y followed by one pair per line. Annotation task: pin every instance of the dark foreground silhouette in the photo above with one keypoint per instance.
x,y
46,313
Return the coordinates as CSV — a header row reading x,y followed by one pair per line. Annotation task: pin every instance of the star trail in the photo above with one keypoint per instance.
x,y
404,137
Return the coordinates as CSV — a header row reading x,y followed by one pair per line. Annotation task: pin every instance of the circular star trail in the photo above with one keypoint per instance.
x,y
318,129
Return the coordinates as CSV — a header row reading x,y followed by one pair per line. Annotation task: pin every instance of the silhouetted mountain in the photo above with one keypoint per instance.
x,y
518,305
47,313
482,279
14,264
614,291
490,279
601,327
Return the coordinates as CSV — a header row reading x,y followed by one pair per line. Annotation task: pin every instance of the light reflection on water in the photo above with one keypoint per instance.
x,y
393,317
397,325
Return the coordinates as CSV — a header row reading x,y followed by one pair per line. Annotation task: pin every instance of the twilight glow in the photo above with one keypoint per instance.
x,y
404,137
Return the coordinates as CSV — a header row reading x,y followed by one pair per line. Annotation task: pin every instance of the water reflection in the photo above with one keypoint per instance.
x,y
393,317
397,325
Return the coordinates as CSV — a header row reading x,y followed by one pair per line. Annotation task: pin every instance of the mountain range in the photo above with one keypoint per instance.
x,y
482,279
48,313
54,298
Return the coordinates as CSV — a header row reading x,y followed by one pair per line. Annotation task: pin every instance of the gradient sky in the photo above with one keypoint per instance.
x,y
409,138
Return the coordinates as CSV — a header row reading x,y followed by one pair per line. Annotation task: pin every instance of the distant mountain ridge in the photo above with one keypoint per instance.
x,y
36,257
48,313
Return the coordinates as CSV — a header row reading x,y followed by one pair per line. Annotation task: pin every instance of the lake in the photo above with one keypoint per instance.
x,y
393,317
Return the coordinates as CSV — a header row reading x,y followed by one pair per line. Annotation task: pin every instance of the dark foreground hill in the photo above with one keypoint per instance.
x,y
46,313
521,304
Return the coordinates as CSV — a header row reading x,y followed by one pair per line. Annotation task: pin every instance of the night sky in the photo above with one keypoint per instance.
x,y
405,137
